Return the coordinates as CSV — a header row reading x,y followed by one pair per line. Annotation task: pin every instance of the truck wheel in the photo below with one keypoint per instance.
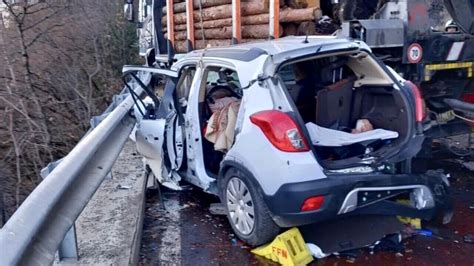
x,y
247,212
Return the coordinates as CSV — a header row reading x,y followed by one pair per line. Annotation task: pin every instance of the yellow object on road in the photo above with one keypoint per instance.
x,y
414,222
288,248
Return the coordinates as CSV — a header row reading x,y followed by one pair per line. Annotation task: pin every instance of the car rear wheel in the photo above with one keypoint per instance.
x,y
247,212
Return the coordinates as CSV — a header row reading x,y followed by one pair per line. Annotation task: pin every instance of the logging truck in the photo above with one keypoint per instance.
x,y
430,42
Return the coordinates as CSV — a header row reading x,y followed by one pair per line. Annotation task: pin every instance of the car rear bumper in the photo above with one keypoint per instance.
x,y
344,195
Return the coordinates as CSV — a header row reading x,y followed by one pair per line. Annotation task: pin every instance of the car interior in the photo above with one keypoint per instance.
x,y
348,104
219,100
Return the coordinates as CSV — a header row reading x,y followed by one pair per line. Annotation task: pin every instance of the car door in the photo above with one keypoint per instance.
x,y
175,102
159,128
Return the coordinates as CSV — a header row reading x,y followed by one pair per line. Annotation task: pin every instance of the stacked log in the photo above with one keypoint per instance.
x,y
248,32
213,21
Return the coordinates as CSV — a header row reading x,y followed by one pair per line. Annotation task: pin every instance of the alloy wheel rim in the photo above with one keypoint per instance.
x,y
240,206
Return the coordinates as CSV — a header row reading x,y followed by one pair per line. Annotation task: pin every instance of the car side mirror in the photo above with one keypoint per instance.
x,y
128,11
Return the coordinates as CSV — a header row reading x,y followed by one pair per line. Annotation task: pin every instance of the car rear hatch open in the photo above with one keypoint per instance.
x,y
349,87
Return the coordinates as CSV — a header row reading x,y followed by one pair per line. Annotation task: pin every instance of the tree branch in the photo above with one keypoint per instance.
x,y
39,35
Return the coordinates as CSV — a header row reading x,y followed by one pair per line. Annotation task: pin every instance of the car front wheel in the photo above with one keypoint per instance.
x,y
247,212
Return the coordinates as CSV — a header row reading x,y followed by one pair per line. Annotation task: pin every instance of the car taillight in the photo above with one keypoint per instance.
x,y
420,112
468,97
281,130
312,203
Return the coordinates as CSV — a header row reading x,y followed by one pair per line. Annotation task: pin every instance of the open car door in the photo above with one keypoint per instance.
x,y
462,12
159,131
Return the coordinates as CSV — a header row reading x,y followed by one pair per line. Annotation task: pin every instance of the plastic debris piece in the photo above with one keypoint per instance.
x,y
316,251
123,187
288,248
424,232
391,243
469,239
414,222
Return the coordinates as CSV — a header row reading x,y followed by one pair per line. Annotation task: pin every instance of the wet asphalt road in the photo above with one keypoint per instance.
x,y
180,230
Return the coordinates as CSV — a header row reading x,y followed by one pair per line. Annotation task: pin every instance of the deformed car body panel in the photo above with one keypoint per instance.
x,y
196,173
150,137
336,189
152,132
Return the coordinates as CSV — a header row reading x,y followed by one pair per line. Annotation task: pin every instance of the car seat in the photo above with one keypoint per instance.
x,y
334,105
334,101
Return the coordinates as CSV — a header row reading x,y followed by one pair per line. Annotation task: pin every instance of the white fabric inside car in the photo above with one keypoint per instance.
x,y
221,125
321,136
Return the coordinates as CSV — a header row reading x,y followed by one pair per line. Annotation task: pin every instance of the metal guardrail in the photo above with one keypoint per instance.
x,y
34,232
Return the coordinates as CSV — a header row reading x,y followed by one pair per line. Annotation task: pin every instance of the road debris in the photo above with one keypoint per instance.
x,y
423,232
217,209
390,243
415,223
210,240
316,251
469,239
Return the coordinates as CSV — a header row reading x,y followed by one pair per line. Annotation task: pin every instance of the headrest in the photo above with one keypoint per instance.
x,y
327,73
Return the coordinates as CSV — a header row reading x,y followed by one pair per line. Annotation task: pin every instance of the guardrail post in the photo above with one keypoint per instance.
x,y
68,247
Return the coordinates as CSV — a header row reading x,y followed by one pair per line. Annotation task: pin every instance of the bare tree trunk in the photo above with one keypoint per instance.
x,y
32,91
17,150
91,78
21,108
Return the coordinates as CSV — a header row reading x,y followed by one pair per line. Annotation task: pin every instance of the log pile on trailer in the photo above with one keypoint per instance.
x,y
223,22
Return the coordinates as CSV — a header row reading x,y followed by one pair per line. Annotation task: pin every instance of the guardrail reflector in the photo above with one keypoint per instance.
x,y
288,248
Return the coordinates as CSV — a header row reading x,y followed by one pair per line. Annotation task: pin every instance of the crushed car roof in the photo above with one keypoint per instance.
x,y
250,51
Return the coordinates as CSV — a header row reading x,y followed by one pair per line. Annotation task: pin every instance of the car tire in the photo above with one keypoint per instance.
x,y
264,228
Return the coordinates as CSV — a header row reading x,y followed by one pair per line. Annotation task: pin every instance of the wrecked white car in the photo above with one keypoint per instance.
x,y
289,132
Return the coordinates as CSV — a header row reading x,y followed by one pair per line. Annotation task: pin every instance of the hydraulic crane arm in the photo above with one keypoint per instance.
x,y
462,12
